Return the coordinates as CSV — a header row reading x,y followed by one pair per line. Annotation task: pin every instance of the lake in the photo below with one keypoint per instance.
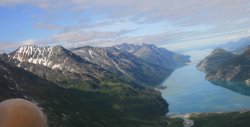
x,y
188,91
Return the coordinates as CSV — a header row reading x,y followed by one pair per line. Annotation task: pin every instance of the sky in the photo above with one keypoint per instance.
x,y
178,25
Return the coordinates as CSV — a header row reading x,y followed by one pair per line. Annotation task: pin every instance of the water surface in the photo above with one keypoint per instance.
x,y
188,91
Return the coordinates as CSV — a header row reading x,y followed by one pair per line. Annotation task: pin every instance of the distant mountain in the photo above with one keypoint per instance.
x,y
222,65
159,56
145,64
237,46
103,57
118,106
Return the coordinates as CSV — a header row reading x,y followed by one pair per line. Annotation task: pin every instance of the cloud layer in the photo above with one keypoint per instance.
x,y
175,24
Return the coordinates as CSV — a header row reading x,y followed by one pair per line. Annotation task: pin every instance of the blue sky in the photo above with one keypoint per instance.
x,y
177,25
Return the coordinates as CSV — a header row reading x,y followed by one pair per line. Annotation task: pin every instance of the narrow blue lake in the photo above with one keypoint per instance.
x,y
188,91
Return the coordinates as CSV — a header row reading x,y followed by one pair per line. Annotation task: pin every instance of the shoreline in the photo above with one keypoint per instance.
x,y
206,118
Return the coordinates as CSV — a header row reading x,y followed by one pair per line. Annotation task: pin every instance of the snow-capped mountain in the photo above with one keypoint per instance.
x,y
56,57
58,65
142,64
53,57
95,79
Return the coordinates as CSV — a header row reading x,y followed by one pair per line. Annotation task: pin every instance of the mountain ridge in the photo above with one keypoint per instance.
x,y
76,108
107,86
222,65
123,63
93,63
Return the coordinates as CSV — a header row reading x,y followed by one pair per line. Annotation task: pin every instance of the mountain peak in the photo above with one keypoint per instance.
x,y
27,48
56,57
57,46
220,51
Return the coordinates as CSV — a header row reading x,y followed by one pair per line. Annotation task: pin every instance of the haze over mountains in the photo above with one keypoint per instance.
x,y
237,47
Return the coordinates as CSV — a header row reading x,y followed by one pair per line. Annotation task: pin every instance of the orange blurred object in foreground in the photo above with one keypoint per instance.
x,y
21,113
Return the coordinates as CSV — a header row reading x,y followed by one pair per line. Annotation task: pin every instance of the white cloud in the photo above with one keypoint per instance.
x,y
150,10
208,41
83,36
191,22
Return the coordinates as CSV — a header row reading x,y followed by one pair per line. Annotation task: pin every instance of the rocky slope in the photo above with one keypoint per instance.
x,y
57,58
88,86
125,64
74,108
158,56
144,64
63,78
58,65
94,65
222,65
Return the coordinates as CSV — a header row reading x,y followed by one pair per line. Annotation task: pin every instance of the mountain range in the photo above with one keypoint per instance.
x,y
238,46
76,108
91,86
143,64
